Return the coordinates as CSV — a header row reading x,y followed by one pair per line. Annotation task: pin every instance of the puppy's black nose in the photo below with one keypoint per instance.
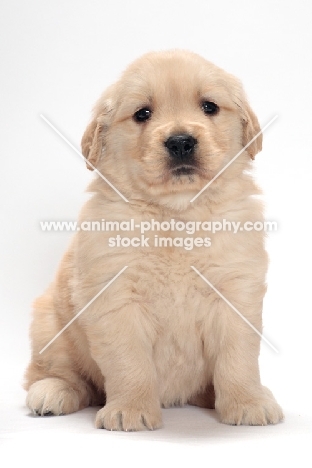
x,y
181,147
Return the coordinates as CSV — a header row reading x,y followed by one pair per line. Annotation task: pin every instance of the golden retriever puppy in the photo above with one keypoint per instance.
x,y
159,335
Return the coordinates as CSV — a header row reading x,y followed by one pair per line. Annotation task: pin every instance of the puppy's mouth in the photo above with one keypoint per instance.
x,y
183,169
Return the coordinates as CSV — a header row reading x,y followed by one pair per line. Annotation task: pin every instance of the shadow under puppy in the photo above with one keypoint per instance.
x,y
159,335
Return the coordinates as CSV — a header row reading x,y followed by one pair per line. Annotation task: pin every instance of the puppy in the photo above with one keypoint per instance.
x,y
159,335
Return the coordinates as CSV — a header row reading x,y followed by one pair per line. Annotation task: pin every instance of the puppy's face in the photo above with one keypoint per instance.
x,y
170,124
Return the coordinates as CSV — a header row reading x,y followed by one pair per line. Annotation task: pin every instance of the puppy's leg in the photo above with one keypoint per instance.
x,y
240,397
54,383
121,345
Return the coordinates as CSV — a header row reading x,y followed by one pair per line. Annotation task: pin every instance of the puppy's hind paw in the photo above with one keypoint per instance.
x,y
52,396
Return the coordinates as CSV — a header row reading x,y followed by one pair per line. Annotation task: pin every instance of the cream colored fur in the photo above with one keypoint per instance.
x,y
159,336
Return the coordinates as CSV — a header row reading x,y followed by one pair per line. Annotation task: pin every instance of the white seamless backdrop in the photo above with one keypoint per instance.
x,y
56,58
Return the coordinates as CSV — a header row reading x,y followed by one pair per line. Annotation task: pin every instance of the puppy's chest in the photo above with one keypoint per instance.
x,y
169,286
178,308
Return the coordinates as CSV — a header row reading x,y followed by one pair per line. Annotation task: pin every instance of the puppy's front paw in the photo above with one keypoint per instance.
x,y
259,411
52,396
118,417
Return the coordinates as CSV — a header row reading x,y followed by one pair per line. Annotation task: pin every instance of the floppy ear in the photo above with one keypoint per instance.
x,y
251,128
93,139
91,143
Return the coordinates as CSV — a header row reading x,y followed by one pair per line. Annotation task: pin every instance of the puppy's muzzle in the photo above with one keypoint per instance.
x,y
181,148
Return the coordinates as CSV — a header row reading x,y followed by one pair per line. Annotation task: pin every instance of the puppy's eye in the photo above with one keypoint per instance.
x,y
210,108
142,114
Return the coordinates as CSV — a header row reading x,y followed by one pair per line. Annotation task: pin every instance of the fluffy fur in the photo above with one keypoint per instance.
x,y
159,336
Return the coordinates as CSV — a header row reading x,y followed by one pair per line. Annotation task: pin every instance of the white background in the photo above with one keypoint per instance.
x,y
56,58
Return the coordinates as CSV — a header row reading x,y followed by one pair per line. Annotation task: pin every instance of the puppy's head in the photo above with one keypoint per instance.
x,y
169,125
